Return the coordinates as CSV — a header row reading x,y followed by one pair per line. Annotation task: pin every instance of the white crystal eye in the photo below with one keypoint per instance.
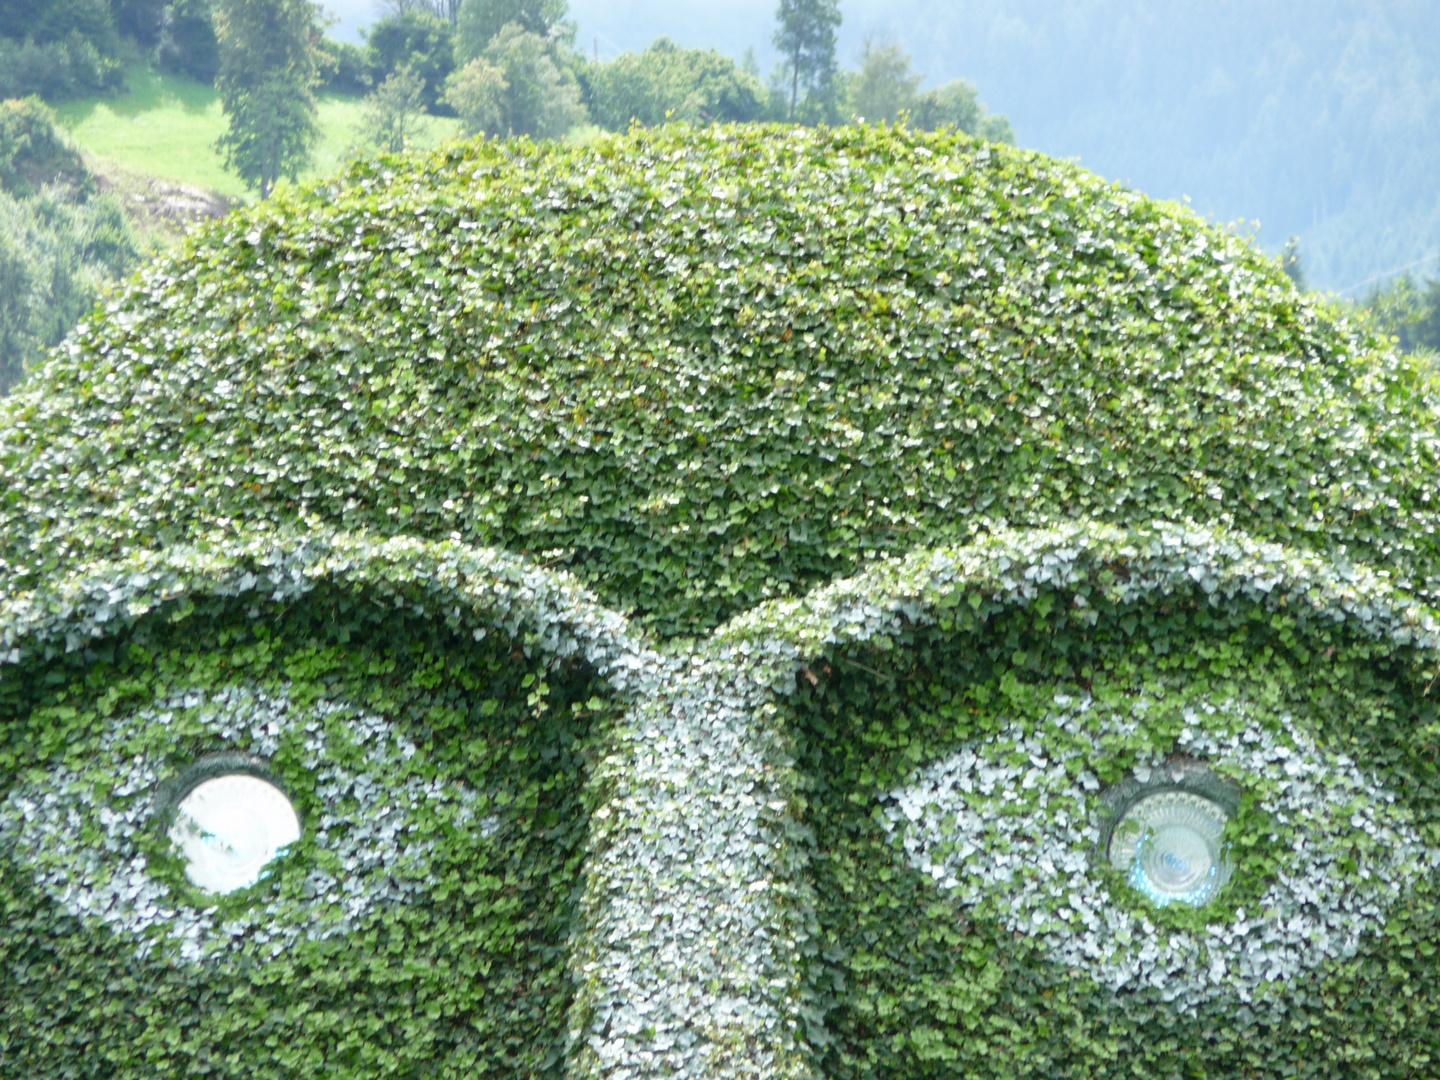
x,y
229,827
1168,845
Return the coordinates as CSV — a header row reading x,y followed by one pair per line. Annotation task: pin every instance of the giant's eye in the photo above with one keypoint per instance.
x,y
1017,828
229,827
222,822
1137,802
1170,845
327,800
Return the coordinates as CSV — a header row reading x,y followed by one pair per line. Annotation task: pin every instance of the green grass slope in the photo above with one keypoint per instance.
x,y
166,126
702,369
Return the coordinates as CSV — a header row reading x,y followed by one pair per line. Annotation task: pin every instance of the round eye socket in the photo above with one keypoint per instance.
x,y
1168,845
227,828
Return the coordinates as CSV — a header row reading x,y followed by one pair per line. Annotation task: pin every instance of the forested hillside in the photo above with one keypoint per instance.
x,y
1316,117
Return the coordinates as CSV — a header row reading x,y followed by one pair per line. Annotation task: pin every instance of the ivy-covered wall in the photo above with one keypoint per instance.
x,y
698,589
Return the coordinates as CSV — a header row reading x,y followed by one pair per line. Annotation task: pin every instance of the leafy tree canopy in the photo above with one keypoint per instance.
x,y
268,70
480,21
805,37
418,40
886,89
517,86
394,109
56,20
57,49
187,42
665,81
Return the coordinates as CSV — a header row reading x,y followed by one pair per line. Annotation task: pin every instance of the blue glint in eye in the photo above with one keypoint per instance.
x,y
1169,847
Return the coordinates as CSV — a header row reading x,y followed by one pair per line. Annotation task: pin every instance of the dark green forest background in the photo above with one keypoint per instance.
x,y
1318,118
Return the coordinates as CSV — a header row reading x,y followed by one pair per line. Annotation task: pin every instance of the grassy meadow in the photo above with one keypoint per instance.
x,y
166,126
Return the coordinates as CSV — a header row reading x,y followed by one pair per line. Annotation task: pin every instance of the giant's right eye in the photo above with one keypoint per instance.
x,y
1161,799
1171,846
1017,828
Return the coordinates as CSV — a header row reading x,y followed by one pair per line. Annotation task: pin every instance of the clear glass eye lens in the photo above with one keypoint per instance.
x,y
1169,846
229,827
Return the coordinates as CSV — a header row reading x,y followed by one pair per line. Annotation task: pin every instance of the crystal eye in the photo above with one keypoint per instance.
x,y
229,828
1168,844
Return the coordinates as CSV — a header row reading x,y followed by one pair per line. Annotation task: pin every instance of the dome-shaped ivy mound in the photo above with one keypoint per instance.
x,y
704,369
710,600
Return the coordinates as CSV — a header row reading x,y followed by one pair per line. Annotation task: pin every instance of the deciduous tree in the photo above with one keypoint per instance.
x,y
885,87
664,82
535,93
393,111
419,40
481,20
268,72
957,104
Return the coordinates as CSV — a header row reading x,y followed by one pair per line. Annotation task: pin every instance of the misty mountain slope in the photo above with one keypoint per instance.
x,y
1317,118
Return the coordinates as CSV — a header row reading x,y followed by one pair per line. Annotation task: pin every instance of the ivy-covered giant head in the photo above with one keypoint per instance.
x,y
754,602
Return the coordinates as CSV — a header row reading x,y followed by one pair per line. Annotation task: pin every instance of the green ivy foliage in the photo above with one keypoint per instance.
x,y
705,368
908,984
473,981
709,373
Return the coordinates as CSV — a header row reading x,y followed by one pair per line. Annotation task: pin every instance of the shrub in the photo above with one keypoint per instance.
x,y
34,153
65,48
804,532
57,255
698,86
188,44
56,70
61,241
345,68
1048,344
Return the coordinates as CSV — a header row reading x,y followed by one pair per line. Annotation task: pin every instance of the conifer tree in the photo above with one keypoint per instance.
x,y
806,38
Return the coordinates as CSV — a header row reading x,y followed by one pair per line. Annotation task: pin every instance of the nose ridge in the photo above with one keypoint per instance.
x,y
688,963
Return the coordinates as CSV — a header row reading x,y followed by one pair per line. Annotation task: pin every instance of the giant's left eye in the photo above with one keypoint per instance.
x,y
376,821
229,827
333,821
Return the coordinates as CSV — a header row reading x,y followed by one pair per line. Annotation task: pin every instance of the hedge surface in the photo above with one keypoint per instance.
x,y
835,425
702,369
465,976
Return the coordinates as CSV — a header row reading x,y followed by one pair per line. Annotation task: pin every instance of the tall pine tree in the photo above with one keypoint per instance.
x,y
266,82
806,38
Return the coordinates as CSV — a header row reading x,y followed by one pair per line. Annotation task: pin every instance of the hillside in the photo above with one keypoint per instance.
x,y
166,126
1316,119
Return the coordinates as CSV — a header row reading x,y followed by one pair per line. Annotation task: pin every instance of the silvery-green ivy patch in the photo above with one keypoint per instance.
x,y
1011,827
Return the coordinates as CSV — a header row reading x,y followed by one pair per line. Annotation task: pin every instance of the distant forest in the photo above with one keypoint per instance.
x,y
1319,118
